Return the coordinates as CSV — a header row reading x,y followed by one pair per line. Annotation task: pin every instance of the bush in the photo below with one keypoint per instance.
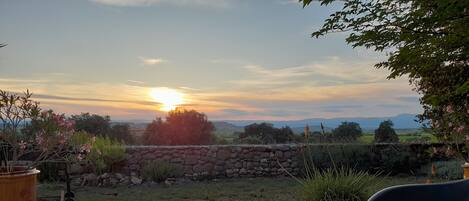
x,y
159,171
105,154
385,158
340,184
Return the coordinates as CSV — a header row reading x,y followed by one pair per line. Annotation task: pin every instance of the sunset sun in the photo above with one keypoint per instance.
x,y
169,98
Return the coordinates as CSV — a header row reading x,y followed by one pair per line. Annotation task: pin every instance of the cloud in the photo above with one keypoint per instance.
x,y
188,88
136,83
235,112
331,72
151,61
285,2
135,3
64,98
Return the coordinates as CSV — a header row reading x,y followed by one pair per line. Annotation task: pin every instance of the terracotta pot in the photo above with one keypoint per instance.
x,y
466,170
19,185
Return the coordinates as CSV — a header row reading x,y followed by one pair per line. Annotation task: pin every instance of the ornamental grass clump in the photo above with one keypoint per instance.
x,y
338,184
159,171
105,154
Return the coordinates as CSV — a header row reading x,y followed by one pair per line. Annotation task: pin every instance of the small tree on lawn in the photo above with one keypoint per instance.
x,y
385,133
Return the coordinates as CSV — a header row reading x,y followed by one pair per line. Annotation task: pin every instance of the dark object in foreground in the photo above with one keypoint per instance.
x,y
69,195
451,191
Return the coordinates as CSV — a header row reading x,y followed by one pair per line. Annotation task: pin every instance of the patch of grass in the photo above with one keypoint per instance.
x,y
256,189
259,189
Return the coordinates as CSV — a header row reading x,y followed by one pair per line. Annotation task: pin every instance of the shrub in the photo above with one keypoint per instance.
x,y
339,184
385,158
105,154
159,171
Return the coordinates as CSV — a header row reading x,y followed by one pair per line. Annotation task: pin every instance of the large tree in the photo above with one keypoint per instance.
x,y
386,133
266,133
101,126
92,123
347,131
425,40
182,127
121,132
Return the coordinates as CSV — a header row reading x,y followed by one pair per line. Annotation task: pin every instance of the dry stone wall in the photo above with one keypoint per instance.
x,y
227,161
220,161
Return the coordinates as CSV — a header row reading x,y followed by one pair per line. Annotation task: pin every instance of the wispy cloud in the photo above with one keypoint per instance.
x,y
188,88
289,2
135,82
123,3
151,61
333,71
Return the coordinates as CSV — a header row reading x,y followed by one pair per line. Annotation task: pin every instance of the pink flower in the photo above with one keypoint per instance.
x,y
61,139
449,109
85,148
80,157
466,137
22,145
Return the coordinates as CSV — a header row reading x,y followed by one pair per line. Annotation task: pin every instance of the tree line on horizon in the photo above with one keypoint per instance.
x,y
189,127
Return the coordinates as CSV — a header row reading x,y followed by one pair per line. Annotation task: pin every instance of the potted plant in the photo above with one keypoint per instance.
x,y
28,133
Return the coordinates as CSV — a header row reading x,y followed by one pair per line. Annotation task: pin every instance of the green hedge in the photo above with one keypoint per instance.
x,y
384,158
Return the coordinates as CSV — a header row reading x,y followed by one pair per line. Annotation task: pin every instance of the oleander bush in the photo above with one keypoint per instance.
x,y
159,171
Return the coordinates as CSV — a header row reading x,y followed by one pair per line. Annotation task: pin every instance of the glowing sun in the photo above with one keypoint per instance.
x,y
169,98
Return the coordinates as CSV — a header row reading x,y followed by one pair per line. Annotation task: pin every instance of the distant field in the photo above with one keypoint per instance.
x,y
413,137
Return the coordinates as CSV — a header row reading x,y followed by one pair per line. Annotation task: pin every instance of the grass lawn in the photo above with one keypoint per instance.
x,y
258,189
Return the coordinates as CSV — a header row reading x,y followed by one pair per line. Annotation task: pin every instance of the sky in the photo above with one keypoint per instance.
x,y
230,59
